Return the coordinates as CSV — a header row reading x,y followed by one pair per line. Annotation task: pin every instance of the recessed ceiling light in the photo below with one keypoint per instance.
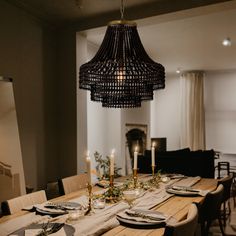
x,y
178,71
226,42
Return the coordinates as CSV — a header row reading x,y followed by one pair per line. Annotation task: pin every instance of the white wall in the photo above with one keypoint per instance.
x,y
220,106
113,135
27,55
165,116
81,49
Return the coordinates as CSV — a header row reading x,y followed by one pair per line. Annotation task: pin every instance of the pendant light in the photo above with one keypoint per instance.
x,y
121,74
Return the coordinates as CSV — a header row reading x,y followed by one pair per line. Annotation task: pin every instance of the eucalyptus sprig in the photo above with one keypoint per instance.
x,y
104,165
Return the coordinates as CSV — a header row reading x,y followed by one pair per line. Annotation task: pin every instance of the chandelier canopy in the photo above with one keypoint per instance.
x,y
121,74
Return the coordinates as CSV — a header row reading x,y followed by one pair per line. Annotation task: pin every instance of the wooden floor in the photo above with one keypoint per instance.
x,y
229,231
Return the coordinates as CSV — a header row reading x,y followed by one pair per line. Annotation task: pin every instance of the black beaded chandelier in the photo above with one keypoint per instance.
x,y
121,74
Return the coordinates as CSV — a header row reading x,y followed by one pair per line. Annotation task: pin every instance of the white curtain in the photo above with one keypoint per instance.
x,y
192,132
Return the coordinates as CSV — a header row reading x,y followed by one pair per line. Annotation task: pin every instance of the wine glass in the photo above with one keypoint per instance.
x,y
129,196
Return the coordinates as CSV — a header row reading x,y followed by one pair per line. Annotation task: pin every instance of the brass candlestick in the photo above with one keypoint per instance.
x,y
89,210
112,198
111,181
135,177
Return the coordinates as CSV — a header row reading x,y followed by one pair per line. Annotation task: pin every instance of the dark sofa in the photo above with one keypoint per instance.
x,y
183,161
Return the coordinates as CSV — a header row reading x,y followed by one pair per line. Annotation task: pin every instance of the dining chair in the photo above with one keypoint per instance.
x,y
14,205
72,183
186,227
223,168
227,183
233,188
210,210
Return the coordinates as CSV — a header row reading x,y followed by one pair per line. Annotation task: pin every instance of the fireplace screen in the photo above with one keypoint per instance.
x,y
136,136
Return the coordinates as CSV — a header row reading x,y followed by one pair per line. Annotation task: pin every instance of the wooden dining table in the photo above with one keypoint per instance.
x,y
176,206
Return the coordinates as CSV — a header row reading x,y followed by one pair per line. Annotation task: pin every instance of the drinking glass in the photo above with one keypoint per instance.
x,y
129,196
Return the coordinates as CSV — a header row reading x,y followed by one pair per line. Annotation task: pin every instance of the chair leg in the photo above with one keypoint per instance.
x,y
207,227
224,213
221,227
229,206
203,229
234,200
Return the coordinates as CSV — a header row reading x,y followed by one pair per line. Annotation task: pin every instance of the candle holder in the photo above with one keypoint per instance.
x,y
111,185
112,195
156,179
89,210
135,177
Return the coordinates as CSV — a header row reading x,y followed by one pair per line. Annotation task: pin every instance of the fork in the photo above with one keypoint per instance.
x,y
46,229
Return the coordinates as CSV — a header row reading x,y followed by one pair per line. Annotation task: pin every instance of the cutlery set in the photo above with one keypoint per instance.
x,y
145,215
187,189
50,228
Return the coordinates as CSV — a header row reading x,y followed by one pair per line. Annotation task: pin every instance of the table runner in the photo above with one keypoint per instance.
x,y
103,219
16,223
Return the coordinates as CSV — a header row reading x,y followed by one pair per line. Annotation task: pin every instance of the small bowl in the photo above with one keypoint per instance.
x,y
99,203
165,179
74,215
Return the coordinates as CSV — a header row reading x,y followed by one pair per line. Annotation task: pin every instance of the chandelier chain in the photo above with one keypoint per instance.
x,y
122,9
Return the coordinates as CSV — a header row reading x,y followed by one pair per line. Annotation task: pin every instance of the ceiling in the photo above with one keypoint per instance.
x,y
92,13
183,34
189,39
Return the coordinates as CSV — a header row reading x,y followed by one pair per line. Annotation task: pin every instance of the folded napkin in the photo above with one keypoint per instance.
x,y
42,209
63,205
34,232
184,189
147,216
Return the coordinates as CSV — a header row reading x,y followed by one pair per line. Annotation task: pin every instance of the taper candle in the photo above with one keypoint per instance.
x,y
153,154
88,162
112,162
136,158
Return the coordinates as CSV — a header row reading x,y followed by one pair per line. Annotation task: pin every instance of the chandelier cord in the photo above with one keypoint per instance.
x,y
122,9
